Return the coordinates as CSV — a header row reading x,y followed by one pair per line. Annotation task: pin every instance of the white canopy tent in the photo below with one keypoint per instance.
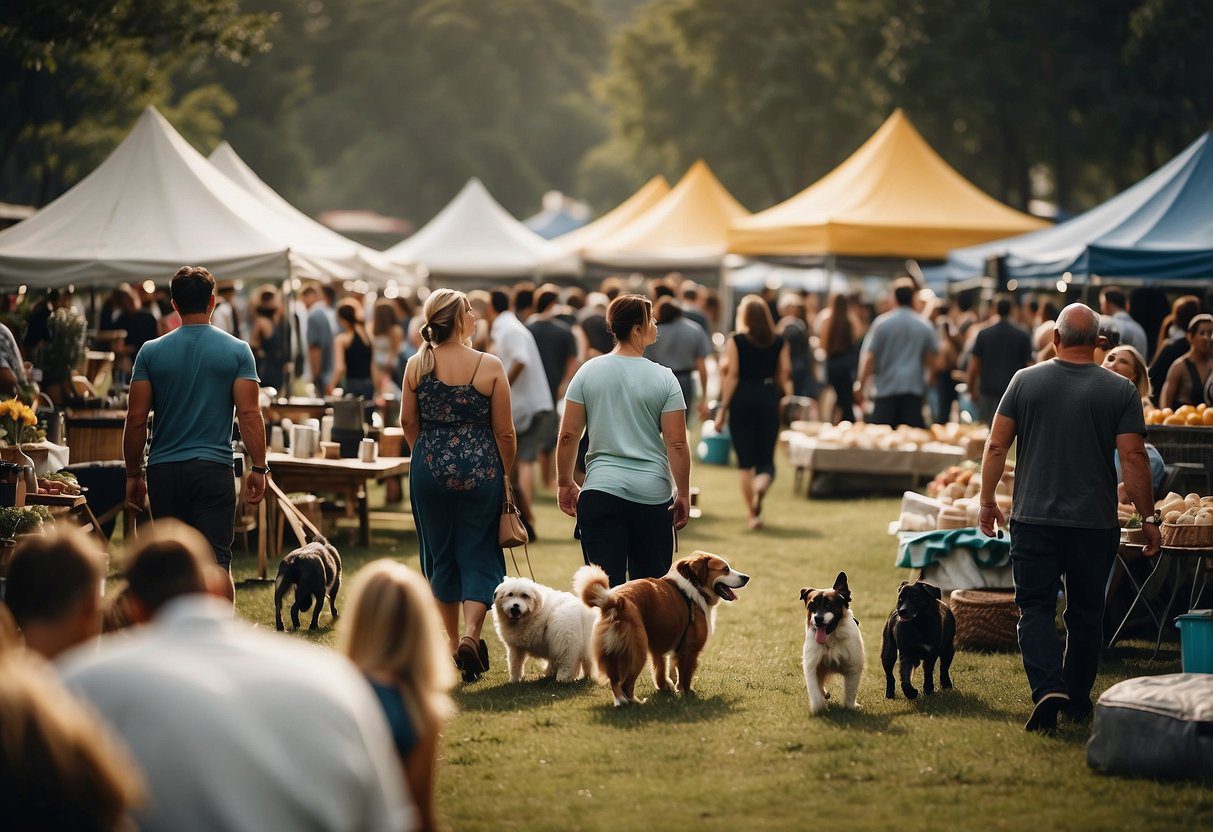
x,y
155,205
473,236
374,266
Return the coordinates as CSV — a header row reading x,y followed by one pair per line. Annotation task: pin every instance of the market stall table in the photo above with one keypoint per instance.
x,y
811,456
1178,560
71,505
348,476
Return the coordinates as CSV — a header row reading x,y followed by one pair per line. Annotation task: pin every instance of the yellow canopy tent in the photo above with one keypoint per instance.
x,y
615,219
894,197
686,229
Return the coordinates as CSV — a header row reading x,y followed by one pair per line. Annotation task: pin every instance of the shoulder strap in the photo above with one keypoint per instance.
x,y
476,369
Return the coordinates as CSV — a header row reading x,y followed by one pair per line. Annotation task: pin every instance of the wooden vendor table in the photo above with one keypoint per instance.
x,y
348,476
95,435
71,505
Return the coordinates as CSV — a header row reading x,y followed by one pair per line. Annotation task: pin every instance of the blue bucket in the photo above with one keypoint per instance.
x,y
714,450
1196,641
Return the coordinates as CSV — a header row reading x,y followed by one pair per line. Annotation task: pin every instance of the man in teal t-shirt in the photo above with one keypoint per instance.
x,y
193,379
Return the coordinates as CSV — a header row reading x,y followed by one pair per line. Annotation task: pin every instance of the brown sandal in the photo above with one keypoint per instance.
x,y
469,659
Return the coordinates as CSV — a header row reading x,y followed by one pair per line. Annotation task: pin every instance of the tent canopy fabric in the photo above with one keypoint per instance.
x,y
1160,229
894,197
373,265
606,225
473,236
685,229
155,205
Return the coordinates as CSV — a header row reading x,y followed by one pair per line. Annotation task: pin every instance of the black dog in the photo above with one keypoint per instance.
x,y
921,629
315,571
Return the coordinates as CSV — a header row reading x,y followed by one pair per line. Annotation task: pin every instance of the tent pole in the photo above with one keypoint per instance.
x,y
291,318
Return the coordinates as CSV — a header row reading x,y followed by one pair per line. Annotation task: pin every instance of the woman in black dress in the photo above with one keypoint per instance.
x,y
757,375
352,354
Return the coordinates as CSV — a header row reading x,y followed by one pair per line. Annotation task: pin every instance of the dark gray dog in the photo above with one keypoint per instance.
x,y
314,571
921,629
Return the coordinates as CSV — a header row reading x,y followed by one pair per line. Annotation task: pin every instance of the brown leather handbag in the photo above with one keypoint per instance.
x,y
512,531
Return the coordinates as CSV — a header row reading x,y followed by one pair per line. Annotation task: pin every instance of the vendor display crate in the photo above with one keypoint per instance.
x,y
1189,447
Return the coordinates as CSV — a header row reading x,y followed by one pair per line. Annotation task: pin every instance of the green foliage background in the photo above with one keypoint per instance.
x,y
392,104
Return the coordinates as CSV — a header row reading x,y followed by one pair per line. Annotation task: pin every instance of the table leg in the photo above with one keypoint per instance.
x,y
364,517
1138,596
1166,613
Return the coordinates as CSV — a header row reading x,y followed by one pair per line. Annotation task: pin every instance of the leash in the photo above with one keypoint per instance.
x,y
690,618
297,520
526,554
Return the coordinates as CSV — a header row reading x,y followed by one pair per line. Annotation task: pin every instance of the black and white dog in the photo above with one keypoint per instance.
x,y
832,644
921,629
314,570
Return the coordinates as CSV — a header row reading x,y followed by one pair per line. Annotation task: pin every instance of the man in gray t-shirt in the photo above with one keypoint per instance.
x,y
1066,416
899,352
683,346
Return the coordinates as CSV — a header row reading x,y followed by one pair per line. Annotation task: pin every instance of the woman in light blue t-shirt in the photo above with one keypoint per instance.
x,y
637,485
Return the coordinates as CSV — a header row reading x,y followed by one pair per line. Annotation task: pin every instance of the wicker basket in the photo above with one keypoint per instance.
x,y
985,620
1187,536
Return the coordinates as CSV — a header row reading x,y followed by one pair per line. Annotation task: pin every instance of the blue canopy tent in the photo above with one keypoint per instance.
x,y
552,223
1159,230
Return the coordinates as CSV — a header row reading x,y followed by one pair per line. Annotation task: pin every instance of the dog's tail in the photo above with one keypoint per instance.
x,y
615,633
592,586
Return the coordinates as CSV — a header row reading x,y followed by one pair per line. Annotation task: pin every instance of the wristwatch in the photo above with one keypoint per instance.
x,y
1154,519
258,469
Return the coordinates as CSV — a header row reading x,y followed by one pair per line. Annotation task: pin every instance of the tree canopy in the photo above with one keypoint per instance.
x,y
393,104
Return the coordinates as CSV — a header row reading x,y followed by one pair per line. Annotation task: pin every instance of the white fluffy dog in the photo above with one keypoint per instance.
x,y
535,620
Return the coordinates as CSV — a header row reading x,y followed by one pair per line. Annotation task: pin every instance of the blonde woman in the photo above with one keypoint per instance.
x,y
1127,361
455,412
61,769
757,375
391,633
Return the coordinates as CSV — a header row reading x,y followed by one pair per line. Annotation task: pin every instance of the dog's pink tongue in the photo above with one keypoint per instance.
x,y
821,634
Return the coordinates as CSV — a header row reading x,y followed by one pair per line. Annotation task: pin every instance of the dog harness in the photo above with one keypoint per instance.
x,y
690,618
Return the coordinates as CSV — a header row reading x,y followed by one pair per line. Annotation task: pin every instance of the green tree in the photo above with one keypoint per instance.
x,y
77,72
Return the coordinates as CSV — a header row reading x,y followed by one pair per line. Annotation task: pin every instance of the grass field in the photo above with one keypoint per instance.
x,y
746,754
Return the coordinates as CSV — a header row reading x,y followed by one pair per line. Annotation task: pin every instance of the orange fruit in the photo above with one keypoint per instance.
x,y
1175,419
1207,417
1166,411
1185,411
1200,408
1195,419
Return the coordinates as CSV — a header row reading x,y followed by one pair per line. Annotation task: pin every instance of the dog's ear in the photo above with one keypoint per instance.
x,y
687,570
932,590
804,593
840,586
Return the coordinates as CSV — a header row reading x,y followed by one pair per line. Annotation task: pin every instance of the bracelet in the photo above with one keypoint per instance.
x,y
988,505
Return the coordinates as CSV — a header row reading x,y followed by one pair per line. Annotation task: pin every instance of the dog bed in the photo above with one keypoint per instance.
x,y
985,620
1155,726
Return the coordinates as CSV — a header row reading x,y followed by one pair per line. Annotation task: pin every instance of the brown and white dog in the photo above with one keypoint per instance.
x,y
832,644
653,617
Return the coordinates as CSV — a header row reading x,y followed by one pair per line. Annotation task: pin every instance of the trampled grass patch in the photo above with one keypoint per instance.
x,y
745,753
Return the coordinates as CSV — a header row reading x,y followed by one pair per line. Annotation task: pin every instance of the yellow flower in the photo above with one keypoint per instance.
x,y
29,418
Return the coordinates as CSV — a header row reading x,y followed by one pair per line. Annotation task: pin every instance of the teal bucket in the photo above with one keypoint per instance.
x,y
1196,641
714,450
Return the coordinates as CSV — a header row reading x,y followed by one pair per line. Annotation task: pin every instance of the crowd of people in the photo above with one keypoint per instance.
x,y
535,387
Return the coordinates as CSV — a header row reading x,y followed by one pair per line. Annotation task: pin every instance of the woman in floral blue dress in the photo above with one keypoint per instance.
x,y
455,411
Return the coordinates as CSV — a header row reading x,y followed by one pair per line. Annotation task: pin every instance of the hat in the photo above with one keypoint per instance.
x,y
1198,320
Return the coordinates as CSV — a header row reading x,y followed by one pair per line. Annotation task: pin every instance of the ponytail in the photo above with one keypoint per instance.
x,y
441,319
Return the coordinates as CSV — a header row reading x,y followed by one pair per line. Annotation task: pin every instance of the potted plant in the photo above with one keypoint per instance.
x,y
18,431
62,355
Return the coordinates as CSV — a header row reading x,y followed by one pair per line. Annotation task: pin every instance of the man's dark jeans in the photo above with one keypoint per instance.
x,y
1042,558
199,493
898,410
